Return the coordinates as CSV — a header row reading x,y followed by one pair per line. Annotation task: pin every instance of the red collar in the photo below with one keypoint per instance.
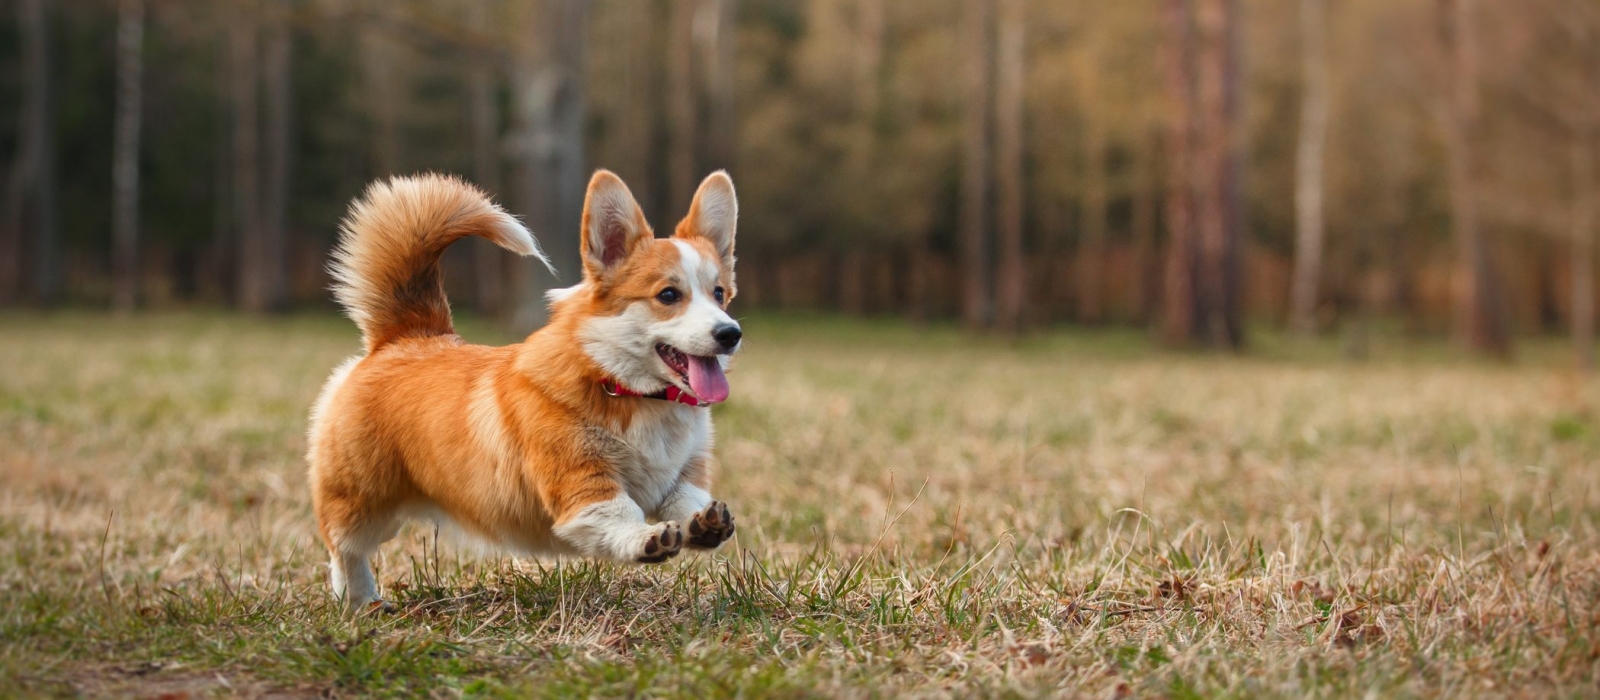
x,y
613,387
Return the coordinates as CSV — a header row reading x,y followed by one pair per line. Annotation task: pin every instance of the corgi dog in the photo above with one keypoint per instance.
x,y
590,438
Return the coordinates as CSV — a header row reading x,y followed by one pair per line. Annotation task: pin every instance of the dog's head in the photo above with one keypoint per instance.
x,y
657,307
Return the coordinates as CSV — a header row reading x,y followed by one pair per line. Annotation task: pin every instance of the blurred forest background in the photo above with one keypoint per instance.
x,y
1189,166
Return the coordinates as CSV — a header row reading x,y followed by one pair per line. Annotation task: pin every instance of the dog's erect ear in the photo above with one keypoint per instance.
x,y
613,225
713,216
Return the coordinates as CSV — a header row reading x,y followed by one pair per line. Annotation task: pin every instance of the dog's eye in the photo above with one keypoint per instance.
x,y
670,295
718,294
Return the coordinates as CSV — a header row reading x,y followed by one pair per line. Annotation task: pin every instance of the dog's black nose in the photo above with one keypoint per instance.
x,y
727,335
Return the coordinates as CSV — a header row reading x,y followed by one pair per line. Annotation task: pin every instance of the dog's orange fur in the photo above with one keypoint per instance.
x,y
508,441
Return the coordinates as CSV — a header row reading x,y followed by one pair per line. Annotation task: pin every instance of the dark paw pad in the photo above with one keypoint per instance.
x,y
709,528
664,544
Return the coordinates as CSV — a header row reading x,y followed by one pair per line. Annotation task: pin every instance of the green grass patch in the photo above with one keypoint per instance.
x,y
922,513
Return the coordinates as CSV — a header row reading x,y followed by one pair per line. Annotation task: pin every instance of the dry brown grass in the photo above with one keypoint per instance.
x,y
920,514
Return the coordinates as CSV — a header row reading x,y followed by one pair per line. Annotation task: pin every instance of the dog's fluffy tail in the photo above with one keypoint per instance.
x,y
386,267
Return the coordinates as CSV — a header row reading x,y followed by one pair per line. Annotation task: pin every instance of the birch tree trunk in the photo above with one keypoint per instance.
x,y
640,126
1309,169
1011,270
717,33
973,242
547,141
125,156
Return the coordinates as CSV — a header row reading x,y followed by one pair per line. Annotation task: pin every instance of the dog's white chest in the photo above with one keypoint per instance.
x,y
663,440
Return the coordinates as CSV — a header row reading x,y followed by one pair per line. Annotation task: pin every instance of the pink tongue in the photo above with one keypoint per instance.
x,y
706,379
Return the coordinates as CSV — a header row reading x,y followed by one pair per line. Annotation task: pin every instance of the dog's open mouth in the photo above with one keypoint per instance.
x,y
703,374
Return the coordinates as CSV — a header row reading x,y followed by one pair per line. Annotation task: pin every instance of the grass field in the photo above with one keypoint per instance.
x,y
920,514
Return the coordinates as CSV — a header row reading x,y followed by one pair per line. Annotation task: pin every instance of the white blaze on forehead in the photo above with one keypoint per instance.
x,y
698,272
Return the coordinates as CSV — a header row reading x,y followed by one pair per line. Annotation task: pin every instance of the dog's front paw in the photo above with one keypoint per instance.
x,y
710,527
664,543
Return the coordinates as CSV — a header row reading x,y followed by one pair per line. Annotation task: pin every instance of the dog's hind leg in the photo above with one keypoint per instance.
x,y
350,563
351,576
352,529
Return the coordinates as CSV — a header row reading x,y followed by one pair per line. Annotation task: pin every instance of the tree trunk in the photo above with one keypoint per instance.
x,y
11,248
1216,175
718,35
1179,302
218,266
1011,271
1402,297
125,155
1366,295
1092,245
277,142
851,281
853,273
640,124
246,178
31,206
1583,234
548,144
681,94
489,262
1051,289
919,280
1480,316
869,56
1231,179
1146,191
973,244
1309,171
382,88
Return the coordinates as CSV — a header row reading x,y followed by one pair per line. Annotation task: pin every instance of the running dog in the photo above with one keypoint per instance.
x,y
590,438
